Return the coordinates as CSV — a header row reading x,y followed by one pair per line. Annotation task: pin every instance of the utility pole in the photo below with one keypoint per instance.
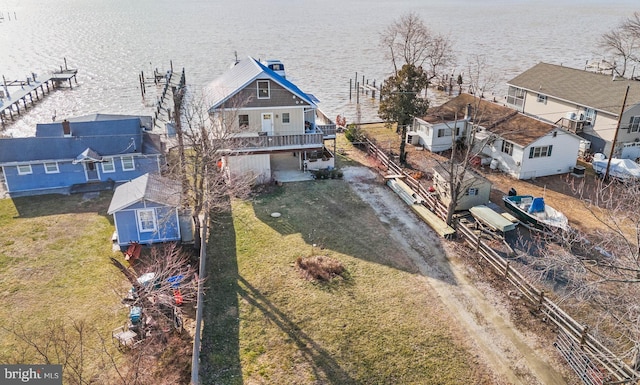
x,y
615,136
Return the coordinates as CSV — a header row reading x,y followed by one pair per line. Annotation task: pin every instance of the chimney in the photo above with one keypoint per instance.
x,y
66,128
467,111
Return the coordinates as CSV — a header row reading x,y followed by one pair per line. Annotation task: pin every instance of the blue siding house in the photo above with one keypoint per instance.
x,y
145,210
79,152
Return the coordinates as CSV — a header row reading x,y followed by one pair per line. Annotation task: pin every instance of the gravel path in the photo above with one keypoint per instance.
x,y
507,352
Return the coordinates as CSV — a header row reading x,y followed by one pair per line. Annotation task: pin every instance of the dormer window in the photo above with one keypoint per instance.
x,y
264,91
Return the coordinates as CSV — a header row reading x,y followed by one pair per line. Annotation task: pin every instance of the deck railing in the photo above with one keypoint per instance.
x,y
328,130
263,142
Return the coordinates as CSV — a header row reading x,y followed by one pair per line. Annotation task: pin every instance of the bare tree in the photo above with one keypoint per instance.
x,y
465,144
623,43
409,41
596,273
161,283
205,140
87,357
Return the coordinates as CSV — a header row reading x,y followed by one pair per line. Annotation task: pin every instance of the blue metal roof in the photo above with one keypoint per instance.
x,y
106,138
241,75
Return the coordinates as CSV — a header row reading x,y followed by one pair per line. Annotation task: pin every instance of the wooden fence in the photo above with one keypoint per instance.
x,y
584,353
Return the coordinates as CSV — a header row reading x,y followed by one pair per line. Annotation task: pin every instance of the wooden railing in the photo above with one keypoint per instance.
x,y
328,130
571,332
253,143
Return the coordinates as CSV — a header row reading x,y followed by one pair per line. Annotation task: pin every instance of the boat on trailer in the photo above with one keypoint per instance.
x,y
534,211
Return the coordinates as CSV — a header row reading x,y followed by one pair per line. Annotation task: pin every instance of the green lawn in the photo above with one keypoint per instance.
x,y
264,324
54,266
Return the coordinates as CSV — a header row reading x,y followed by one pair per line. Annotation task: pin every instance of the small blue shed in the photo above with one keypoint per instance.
x,y
146,210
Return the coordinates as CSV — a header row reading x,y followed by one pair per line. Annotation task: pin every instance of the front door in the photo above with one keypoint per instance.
x,y
267,123
91,171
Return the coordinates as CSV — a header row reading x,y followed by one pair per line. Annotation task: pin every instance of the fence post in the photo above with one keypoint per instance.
x,y
583,336
478,248
506,270
540,300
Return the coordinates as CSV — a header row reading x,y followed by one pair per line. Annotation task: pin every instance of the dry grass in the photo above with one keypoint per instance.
x,y
54,266
263,324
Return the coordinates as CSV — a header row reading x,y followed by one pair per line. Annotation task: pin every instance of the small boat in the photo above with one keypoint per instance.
x,y
534,211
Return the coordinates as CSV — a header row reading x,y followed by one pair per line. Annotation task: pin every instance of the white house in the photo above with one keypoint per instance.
x,y
583,102
522,146
276,126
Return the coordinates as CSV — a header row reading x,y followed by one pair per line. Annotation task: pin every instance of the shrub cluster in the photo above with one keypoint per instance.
x,y
325,173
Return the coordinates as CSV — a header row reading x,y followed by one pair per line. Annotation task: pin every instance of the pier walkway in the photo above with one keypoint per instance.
x,y
17,96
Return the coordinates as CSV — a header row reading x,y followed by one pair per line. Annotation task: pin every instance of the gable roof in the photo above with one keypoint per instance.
x,y
506,122
241,75
470,176
590,89
104,138
149,187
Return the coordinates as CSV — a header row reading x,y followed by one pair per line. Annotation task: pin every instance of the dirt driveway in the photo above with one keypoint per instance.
x,y
482,312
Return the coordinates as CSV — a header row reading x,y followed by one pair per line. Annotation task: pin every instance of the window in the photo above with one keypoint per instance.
x,y
263,89
286,118
634,124
507,147
440,132
146,220
472,191
51,168
24,169
542,98
540,152
243,121
108,165
515,97
127,163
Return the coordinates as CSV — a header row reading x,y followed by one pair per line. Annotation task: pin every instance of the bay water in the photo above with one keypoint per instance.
x,y
322,43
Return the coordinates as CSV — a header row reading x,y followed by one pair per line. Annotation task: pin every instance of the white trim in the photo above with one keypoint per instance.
x,y
153,219
24,173
133,163
46,170
268,88
106,161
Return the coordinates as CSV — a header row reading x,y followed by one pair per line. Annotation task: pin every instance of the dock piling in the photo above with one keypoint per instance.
x,y
28,87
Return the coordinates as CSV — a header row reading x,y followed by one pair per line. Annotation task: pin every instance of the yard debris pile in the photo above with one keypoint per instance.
x,y
320,268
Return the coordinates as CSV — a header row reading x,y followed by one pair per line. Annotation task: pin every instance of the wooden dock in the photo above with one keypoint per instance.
x,y
16,96
170,87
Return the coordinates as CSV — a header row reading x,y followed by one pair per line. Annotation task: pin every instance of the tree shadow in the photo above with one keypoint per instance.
x,y
328,214
324,367
220,349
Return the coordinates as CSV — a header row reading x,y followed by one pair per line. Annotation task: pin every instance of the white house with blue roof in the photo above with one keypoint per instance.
x,y
275,125
79,152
